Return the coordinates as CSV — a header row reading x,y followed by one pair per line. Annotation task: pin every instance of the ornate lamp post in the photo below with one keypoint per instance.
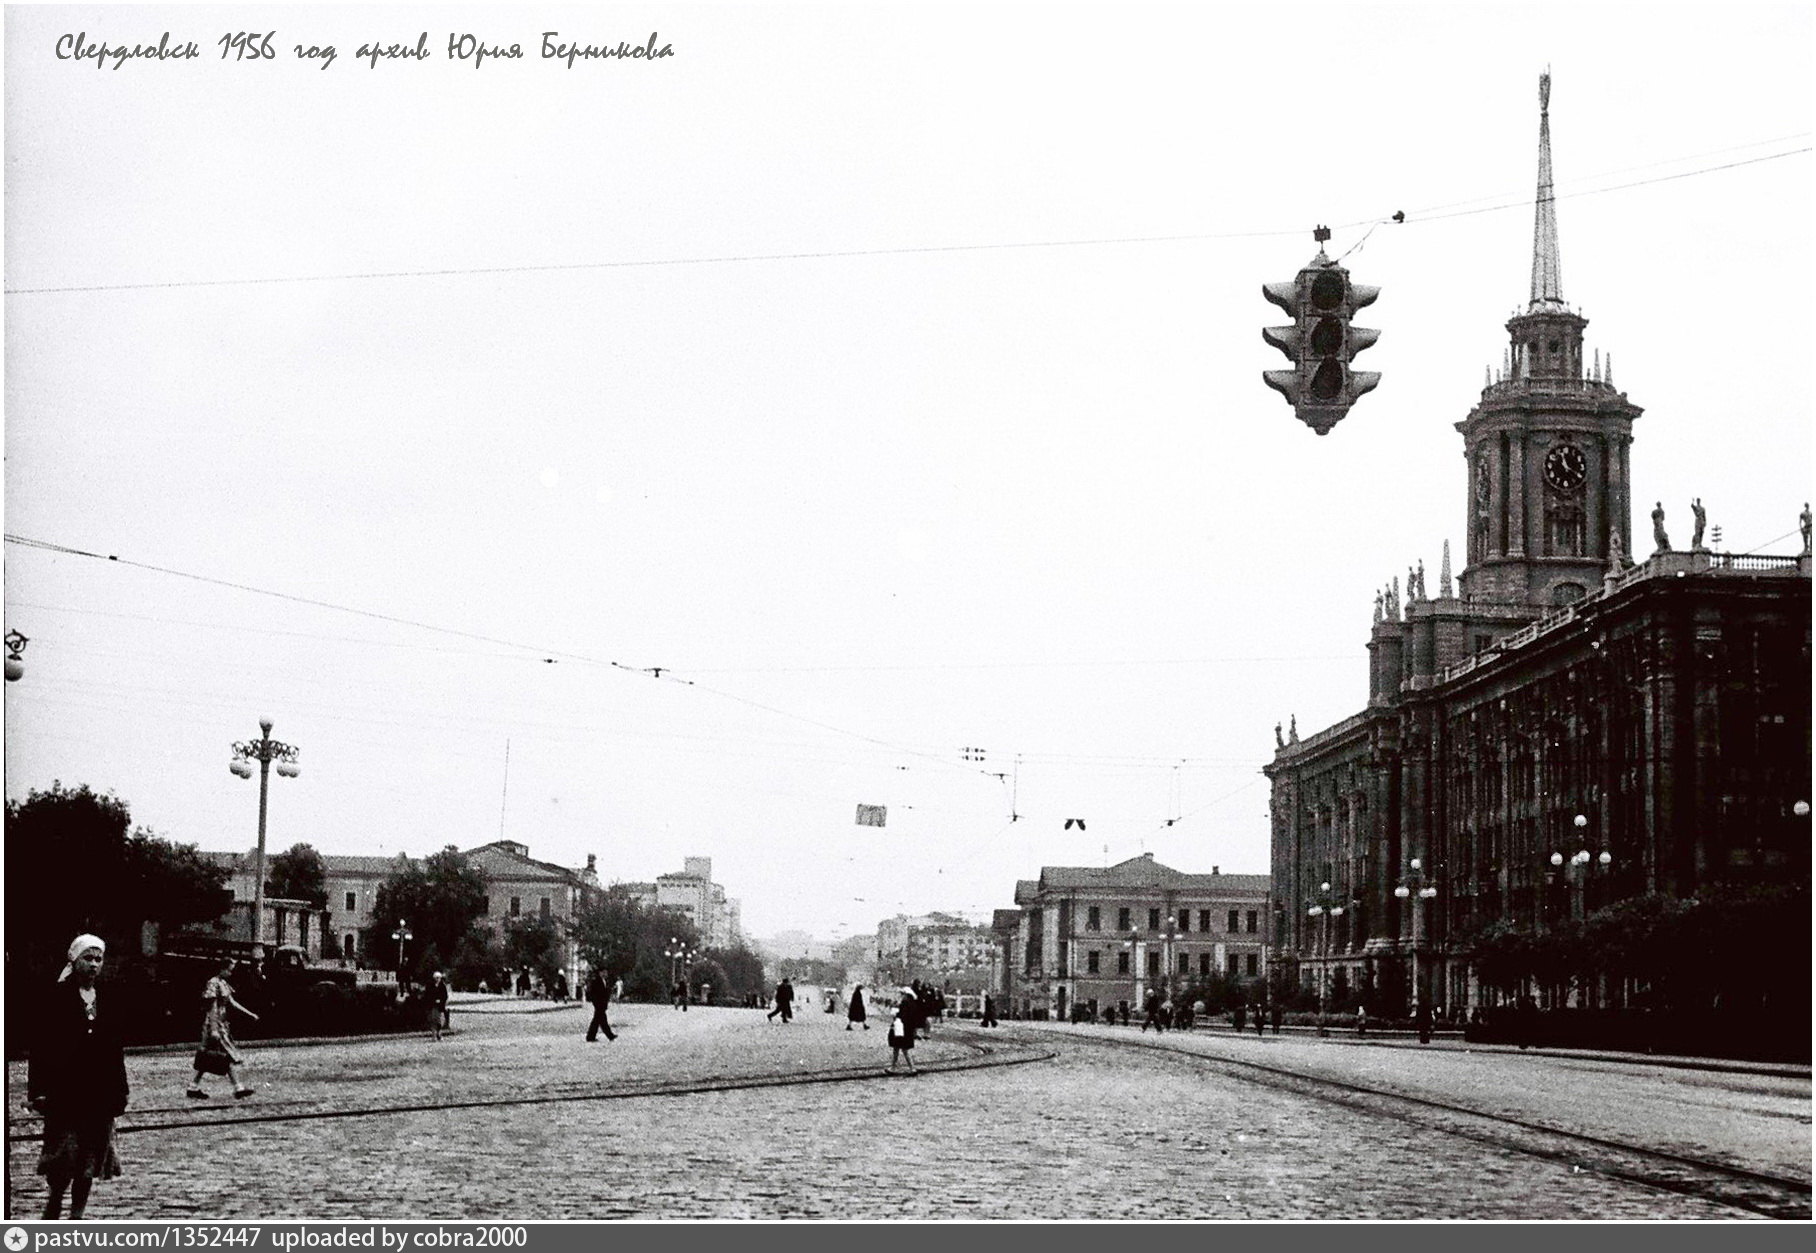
x,y
1132,942
263,750
15,665
1416,887
680,959
400,935
1324,912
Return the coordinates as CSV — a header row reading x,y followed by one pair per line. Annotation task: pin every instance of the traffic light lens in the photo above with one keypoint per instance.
x,y
1327,292
1327,383
1327,337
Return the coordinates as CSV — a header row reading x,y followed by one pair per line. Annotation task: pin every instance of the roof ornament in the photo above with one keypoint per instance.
x,y
1444,574
1547,284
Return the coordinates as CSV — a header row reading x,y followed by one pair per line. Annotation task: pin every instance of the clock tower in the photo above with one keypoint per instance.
x,y
1547,444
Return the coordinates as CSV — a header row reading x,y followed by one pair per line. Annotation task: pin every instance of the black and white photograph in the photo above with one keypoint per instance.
x,y
919,613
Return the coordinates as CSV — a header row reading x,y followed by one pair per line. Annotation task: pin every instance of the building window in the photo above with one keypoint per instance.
x,y
347,946
1153,920
1230,965
1234,924
1254,920
1204,920
1204,963
1254,964
352,902
1091,959
516,906
1122,963
1093,919
1185,964
1122,919
1185,920
1154,963
1064,952
544,908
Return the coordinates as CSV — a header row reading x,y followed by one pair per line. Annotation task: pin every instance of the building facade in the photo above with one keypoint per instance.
x,y
1565,729
691,891
940,949
1096,938
517,885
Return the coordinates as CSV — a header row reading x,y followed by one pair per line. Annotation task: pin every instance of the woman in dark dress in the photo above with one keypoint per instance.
x,y
855,1014
77,1080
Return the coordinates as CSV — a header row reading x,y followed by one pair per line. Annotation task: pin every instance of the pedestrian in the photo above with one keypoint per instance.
x,y
1423,1019
901,1039
678,995
599,995
77,1080
523,982
855,1012
438,1003
1241,1017
913,1011
1361,1021
989,1019
219,1055
1259,1024
1274,1013
1123,1007
785,995
1151,1008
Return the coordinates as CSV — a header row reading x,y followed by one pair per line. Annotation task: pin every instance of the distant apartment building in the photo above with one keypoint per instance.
x,y
691,891
941,949
1104,937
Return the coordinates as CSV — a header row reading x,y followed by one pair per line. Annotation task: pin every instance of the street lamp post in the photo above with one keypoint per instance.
x,y
680,959
1416,886
15,664
263,750
1324,912
400,935
1133,943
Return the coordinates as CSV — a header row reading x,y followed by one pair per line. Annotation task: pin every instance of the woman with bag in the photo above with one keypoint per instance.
x,y
901,1038
219,1054
77,1080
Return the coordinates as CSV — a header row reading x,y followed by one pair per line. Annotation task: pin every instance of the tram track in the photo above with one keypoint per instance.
x,y
1707,1178
982,1056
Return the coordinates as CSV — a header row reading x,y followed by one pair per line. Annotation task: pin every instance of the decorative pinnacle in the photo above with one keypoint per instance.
x,y
1547,284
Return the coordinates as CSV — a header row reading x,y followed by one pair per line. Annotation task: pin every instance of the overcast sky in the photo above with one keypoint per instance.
x,y
888,378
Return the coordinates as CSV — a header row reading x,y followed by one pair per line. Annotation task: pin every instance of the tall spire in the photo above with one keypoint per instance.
x,y
1547,286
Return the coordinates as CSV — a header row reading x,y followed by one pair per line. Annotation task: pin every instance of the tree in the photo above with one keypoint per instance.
x,y
741,971
75,863
298,874
441,900
616,933
533,943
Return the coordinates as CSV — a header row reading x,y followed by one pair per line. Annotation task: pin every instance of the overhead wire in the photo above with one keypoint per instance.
x,y
903,250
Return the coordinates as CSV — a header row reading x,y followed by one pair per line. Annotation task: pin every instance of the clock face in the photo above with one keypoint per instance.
x,y
1564,468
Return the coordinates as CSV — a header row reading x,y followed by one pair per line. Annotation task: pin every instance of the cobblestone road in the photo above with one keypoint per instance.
x,y
1095,1132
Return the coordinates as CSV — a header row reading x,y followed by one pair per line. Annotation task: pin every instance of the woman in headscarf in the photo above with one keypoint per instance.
x,y
77,1080
219,1053
856,1011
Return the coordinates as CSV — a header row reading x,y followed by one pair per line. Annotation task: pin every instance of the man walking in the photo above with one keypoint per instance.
x,y
785,995
599,995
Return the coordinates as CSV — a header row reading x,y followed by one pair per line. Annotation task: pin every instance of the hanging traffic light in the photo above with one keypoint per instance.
x,y
1321,342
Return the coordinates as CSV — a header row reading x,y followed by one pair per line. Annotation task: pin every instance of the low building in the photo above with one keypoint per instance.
x,y
517,886
1099,938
